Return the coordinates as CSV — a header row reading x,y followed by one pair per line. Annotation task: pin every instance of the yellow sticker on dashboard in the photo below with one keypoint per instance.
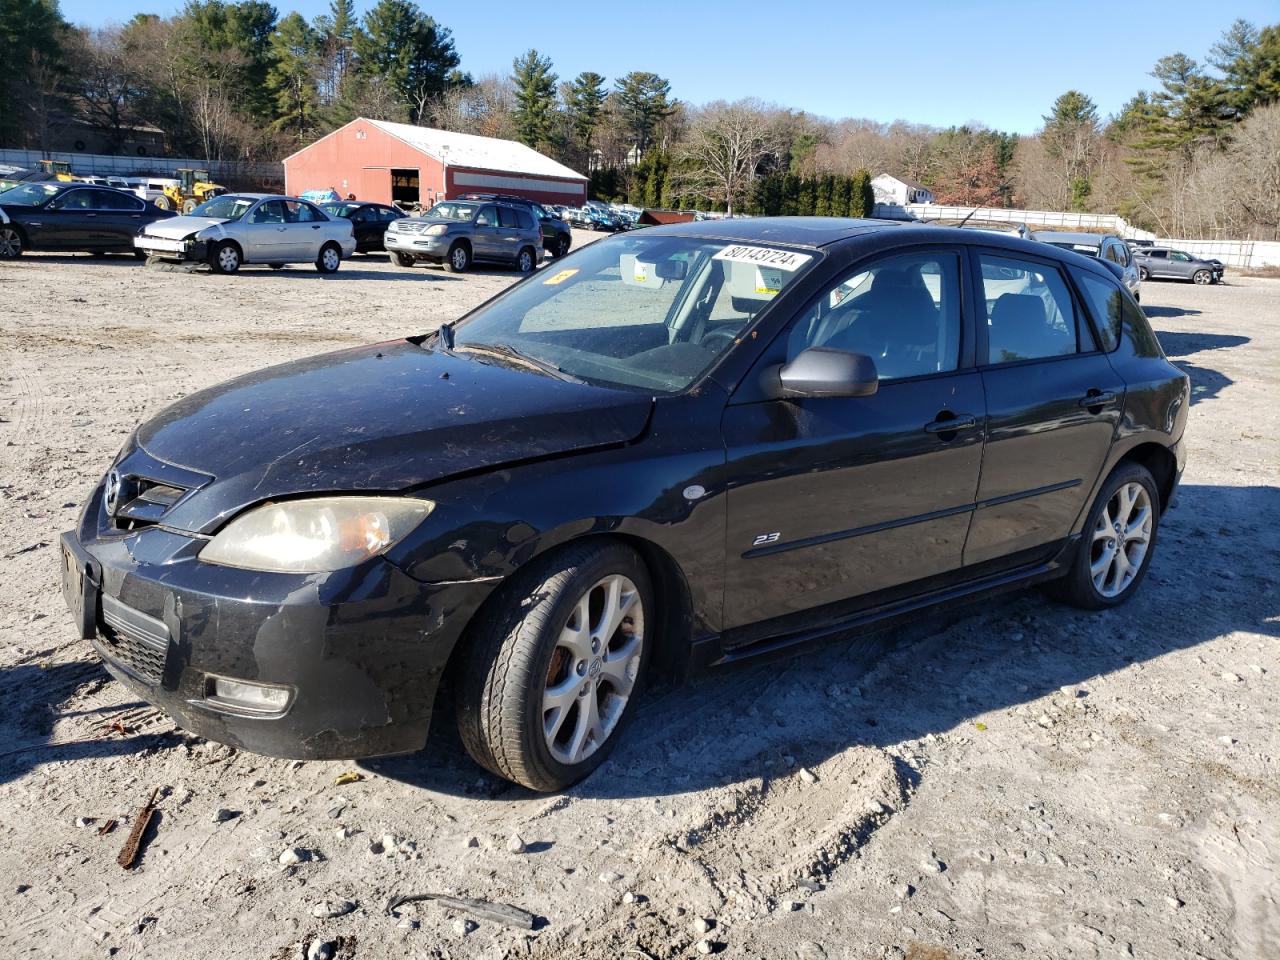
x,y
560,277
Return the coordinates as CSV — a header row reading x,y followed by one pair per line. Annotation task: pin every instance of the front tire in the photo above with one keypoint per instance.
x,y
555,663
329,258
10,243
402,259
163,202
1202,277
459,259
189,206
225,257
1119,541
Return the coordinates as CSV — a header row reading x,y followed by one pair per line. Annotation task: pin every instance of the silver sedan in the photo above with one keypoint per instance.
x,y
240,228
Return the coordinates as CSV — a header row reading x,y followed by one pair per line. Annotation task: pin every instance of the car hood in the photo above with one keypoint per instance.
x,y
378,418
175,228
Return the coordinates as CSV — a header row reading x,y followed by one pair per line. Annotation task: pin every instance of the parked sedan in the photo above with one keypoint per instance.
x,y
234,229
1162,263
66,217
459,233
679,448
370,220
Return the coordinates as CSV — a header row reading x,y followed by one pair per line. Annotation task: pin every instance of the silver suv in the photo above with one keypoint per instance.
x,y
1164,263
459,233
1107,247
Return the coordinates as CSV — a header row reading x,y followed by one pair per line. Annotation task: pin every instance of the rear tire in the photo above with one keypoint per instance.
x,y
1143,274
329,258
526,260
225,257
562,247
402,259
459,259
1119,540
554,664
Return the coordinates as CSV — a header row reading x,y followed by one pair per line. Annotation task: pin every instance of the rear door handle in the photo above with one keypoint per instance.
x,y
1097,398
963,421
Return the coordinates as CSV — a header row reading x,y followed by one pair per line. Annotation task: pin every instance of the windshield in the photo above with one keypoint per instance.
x,y
648,312
224,208
29,194
452,211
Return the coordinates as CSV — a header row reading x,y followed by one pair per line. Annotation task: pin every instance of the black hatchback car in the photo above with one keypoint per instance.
x,y
368,220
672,450
70,217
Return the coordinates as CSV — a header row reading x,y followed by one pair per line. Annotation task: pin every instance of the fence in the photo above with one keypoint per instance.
x,y
1242,254
101,165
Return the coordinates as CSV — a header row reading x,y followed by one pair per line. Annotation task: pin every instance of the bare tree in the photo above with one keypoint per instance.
x,y
724,148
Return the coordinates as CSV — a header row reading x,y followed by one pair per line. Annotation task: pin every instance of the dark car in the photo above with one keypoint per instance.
x,y
1163,263
557,235
370,220
677,449
61,216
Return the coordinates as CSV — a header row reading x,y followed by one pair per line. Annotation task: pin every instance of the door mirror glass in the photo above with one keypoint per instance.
x,y
824,372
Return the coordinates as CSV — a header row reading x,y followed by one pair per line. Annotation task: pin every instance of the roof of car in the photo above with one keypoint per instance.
x,y
1066,236
793,231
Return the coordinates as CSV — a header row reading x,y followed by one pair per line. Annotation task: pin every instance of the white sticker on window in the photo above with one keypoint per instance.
x,y
764,257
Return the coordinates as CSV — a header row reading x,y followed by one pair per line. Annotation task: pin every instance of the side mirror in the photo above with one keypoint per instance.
x,y
823,372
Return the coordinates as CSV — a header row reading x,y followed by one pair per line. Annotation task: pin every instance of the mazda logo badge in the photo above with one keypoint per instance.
x,y
112,492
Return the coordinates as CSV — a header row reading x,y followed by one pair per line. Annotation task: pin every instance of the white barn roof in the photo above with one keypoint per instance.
x,y
482,153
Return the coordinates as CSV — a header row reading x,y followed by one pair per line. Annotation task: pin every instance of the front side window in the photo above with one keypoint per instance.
x,y
903,312
653,313
1030,315
75,200
1179,256
271,211
487,217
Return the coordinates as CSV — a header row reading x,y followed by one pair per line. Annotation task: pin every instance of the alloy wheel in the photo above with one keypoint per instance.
x,y
10,242
593,669
1202,276
1121,538
459,259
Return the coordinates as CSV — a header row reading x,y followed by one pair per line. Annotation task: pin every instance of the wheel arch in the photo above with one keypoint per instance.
x,y
1160,463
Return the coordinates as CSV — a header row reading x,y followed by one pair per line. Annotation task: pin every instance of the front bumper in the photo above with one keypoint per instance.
x,y
361,651
186,250
415,244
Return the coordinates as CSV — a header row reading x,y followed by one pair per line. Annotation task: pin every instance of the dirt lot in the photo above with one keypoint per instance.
x,y
1012,780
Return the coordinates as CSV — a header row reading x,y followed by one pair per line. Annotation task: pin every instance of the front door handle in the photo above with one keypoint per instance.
x,y
963,421
1097,398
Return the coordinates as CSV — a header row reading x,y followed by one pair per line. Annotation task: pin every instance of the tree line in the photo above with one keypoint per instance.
x,y
232,79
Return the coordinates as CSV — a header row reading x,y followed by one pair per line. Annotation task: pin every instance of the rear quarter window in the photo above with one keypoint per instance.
x,y
1106,303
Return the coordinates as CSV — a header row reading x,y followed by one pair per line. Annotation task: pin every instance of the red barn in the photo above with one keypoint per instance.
x,y
382,161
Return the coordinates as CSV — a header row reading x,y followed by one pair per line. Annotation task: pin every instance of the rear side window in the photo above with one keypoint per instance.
x,y
1106,303
1030,315
507,218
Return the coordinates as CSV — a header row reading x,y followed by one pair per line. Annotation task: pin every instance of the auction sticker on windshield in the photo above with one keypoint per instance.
x,y
764,257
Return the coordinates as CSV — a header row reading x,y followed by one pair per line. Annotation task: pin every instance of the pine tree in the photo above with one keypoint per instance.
x,y
643,101
291,79
400,46
584,99
535,108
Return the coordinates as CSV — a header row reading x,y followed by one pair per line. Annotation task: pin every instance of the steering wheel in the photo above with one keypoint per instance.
x,y
708,339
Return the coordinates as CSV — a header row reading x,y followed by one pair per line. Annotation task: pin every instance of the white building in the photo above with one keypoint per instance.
x,y
899,191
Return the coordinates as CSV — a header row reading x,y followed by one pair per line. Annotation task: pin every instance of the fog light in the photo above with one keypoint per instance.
x,y
247,696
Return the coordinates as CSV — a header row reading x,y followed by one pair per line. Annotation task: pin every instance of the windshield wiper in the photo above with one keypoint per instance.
x,y
508,352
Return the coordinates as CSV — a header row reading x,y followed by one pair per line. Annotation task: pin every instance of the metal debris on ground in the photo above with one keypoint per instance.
x,y
108,827
349,777
129,853
501,913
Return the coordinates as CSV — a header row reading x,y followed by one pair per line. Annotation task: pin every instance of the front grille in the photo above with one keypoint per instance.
x,y
409,226
134,641
148,501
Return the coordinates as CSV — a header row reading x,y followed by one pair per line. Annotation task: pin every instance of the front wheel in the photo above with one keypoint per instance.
x,y
10,243
189,206
554,664
1202,277
402,259
1119,540
163,202
225,257
459,258
330,258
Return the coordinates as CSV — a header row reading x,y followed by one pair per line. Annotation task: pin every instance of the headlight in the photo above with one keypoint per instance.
x,y
436,230
315,535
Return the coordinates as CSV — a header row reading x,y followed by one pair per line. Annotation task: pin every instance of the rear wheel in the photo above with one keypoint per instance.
x,y
1202,277
1143,274
330,258
459,258
10,243
225,257
402,259
563,246
1119,540
526,260
554,664
276,266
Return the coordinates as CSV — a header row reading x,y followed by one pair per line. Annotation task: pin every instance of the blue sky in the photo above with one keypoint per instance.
x,y
942,63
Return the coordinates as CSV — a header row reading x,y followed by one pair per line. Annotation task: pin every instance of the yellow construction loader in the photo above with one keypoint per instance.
x,y
57,169
192,189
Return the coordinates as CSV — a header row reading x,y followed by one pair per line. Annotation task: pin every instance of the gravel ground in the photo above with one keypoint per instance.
x,y
1016,779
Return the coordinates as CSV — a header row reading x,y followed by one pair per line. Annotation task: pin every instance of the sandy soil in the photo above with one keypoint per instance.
x,y
1016,779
